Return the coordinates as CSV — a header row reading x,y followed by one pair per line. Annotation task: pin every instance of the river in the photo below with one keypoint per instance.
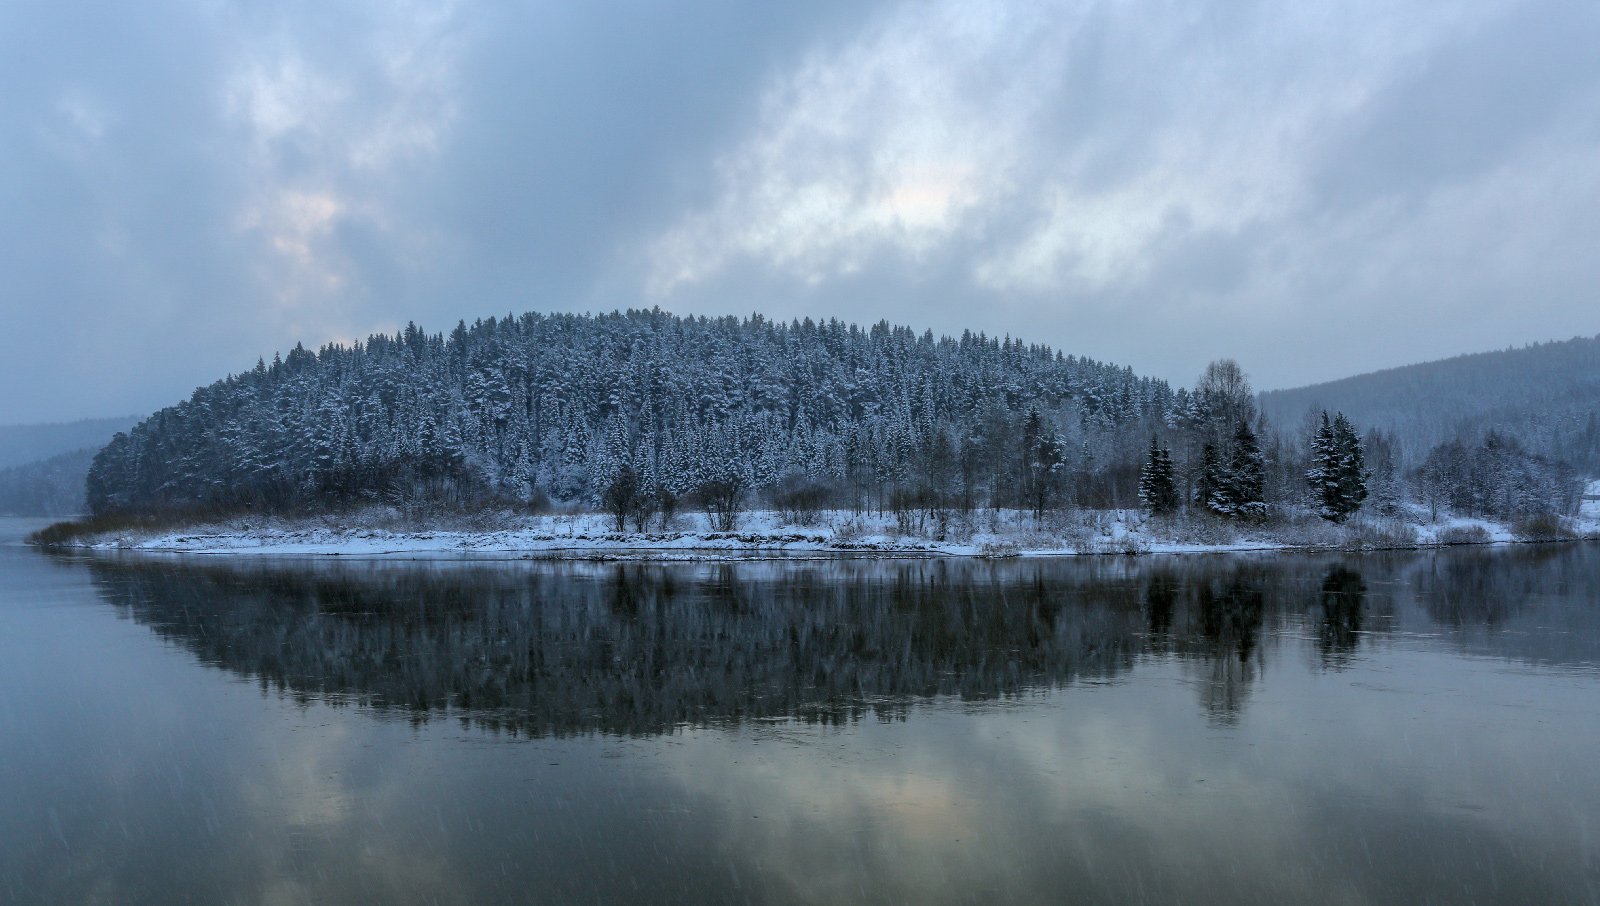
x,y
1406,728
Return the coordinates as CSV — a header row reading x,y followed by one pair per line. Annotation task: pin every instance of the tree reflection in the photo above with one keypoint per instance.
x,y
1341,600
560,648
633,648
1231,611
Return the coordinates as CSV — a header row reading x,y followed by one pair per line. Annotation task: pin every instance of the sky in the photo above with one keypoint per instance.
x,y
1313,189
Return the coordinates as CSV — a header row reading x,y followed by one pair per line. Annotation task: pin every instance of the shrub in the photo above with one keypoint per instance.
x,y
801,500
723,501
1380,534
1193,528
1544,527
65,534
666,503
1463,534
623,496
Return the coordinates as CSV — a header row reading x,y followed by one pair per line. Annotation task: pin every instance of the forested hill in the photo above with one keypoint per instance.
x,y
558,405
1547,395
21,444
48,487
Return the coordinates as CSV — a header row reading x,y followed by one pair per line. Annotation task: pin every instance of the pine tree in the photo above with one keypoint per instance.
x,y
1247,476
1158,491
1212,490
1352,465
1338,475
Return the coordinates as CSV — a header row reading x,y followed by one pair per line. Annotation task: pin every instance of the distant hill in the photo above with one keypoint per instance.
x,y
48,487
21,444
1547,395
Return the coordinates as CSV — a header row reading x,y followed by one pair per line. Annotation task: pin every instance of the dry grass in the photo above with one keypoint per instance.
x,y
1463,534
1379,534
1544,527
63,534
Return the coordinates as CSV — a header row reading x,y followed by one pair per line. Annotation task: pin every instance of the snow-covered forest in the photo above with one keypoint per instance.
x,y
553,407
48,487
643,413
1545,396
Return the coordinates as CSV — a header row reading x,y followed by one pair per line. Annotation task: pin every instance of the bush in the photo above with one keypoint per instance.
x,y
666,503
1463,534
1544,527
1380,534
1193,528
66,534
623,496
723,501
801,500
1307,531
537,503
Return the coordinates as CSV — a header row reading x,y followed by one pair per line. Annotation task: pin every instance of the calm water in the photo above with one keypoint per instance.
x,y
1398,728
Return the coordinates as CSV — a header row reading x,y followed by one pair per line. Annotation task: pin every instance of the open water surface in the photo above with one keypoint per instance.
x,y
1344,729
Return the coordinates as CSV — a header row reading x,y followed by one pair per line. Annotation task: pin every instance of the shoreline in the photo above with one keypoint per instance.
x,y
1003,536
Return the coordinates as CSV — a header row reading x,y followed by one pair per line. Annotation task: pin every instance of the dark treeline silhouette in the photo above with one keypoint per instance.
x,y
634,648
43,468
552,649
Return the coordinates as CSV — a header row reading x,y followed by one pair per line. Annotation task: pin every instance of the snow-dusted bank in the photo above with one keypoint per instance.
x,y
766,535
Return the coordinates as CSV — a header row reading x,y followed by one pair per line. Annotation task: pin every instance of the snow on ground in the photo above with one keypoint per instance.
x,y
1589,510
766,535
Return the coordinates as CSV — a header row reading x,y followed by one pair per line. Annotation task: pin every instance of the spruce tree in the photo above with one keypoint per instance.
x,y
1351,464
1247,476
1338,476
1213,488
1158,489
1323,476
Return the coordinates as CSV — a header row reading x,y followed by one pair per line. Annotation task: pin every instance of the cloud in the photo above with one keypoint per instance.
x,y
1059,141
1233,176
1155,182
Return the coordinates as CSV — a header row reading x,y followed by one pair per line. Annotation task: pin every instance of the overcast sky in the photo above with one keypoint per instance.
x,y
1315,189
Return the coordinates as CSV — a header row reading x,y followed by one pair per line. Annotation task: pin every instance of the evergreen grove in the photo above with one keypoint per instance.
x,y
641,412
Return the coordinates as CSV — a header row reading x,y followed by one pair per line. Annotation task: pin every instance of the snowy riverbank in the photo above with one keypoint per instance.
x,y
766,535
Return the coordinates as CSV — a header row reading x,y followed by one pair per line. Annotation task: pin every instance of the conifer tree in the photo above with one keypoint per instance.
x,y
1338,476
1158,490
1211,492
1352,465
1246,486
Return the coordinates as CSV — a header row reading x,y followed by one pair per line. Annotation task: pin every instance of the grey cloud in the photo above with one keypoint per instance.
x,y
188,186
1466,109
1312,190
1315,192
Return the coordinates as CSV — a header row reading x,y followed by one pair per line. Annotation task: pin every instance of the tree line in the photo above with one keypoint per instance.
x,y
643,413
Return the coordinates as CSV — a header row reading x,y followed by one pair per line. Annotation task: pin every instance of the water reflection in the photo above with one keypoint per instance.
x,y
556,649
1205,730
1343,598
